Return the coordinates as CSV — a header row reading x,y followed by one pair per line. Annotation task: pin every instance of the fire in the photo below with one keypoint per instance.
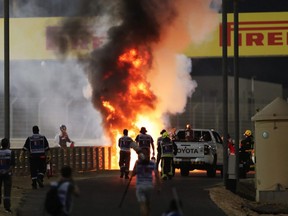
x,y
134,57
141,120
108,106
133,104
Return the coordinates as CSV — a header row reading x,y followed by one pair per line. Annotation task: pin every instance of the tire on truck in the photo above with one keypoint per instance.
x,y
184,171
211,170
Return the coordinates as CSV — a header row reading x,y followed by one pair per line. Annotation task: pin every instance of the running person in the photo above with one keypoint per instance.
x,y
144,169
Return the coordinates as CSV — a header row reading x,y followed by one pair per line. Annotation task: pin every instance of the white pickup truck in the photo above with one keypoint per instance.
x,y
203,152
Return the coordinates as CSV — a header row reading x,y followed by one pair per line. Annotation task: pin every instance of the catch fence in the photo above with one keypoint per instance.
x,y
80,159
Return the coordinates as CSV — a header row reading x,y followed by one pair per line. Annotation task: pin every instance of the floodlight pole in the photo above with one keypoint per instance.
x,y
236,86
6,71
225,91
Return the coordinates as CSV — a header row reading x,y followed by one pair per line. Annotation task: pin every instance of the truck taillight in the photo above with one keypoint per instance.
x,y
206,149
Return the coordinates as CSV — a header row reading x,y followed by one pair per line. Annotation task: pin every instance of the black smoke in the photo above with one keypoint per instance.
x,y
133,24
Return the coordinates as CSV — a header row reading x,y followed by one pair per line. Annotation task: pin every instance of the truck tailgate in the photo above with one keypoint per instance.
x,y
190,150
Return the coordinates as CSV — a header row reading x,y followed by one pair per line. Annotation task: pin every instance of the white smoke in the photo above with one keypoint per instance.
x,y
171,80
59,90
49,93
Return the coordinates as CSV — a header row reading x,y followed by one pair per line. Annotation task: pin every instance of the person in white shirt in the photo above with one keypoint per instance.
x,y
63,138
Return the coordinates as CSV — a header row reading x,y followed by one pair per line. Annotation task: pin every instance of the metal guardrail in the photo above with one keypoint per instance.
x,y
81,159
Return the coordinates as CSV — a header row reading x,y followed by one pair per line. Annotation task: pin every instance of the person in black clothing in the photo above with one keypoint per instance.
x,y
39,153
245,156
248,142
7,163
158,146
67,190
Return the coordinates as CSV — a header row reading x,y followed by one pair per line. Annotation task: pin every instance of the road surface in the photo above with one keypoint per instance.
x,y
101,195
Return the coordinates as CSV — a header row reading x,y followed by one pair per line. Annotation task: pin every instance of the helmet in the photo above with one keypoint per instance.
x,y
248,133
165,134
163,131
62,127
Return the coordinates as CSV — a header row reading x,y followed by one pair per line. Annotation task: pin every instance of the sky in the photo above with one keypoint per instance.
x,y
272,69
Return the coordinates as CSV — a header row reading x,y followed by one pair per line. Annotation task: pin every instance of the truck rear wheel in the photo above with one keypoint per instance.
x,y
211,171
184,171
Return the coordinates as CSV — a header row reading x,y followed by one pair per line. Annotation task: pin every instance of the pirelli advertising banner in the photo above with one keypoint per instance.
x,y
260,34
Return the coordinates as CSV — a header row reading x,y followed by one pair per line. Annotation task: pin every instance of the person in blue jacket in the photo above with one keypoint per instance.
x,y
7,163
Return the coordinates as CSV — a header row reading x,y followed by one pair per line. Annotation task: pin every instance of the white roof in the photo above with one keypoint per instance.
x,y
276,110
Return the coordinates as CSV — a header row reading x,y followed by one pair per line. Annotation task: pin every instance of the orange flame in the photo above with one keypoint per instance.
x,y
128,107
108,106
133,56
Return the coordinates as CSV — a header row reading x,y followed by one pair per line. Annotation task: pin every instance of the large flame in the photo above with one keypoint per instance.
x,y
131,107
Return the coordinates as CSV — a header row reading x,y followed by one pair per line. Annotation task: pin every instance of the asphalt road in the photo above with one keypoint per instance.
x,y
102,193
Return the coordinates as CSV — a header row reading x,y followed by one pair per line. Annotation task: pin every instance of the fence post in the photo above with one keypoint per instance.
x,y
74,158
91,165
85,159
80,159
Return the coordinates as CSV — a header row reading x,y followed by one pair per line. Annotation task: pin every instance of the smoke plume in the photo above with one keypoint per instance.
x,y
160,30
